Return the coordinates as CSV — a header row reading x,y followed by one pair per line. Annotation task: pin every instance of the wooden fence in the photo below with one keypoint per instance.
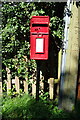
x,y
32,86
18,83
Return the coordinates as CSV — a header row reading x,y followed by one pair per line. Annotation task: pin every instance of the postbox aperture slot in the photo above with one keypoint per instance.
x,y
39,45
39,25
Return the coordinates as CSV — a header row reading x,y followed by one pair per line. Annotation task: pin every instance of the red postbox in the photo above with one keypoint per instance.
x,y
39,37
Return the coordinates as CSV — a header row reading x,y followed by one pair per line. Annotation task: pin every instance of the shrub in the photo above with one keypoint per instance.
x,y
13,108
27,108
24,107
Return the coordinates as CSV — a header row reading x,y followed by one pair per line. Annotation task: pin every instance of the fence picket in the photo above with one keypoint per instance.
x,y
34,89
0,88
51,87
8,79
25,85
17,84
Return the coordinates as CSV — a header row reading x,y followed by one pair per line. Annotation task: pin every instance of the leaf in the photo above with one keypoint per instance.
x,y
16,33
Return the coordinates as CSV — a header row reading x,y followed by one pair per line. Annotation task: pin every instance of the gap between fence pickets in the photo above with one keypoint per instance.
x,y
26,79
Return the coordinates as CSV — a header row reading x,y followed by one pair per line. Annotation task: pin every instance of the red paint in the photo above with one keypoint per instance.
x,y
39,29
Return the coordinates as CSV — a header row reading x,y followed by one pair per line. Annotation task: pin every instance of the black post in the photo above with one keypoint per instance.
x,y
38,80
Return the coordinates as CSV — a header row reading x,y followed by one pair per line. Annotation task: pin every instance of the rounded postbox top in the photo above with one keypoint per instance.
x,y
40,19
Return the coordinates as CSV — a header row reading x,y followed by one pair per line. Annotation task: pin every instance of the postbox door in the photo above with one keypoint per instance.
x,y
39,47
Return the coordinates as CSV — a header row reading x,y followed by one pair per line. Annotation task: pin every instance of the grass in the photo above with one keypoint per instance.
x,y
26,108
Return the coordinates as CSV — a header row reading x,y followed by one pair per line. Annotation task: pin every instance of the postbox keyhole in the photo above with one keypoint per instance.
x,y
36,29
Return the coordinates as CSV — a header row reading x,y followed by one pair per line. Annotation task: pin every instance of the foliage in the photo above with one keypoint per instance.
x,y
15,34
15,50
26,108
14,108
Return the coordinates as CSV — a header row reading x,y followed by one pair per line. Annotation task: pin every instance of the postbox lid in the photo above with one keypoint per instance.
x,y
40,19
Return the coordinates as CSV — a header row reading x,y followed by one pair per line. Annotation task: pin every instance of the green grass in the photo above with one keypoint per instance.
x,y
26,108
